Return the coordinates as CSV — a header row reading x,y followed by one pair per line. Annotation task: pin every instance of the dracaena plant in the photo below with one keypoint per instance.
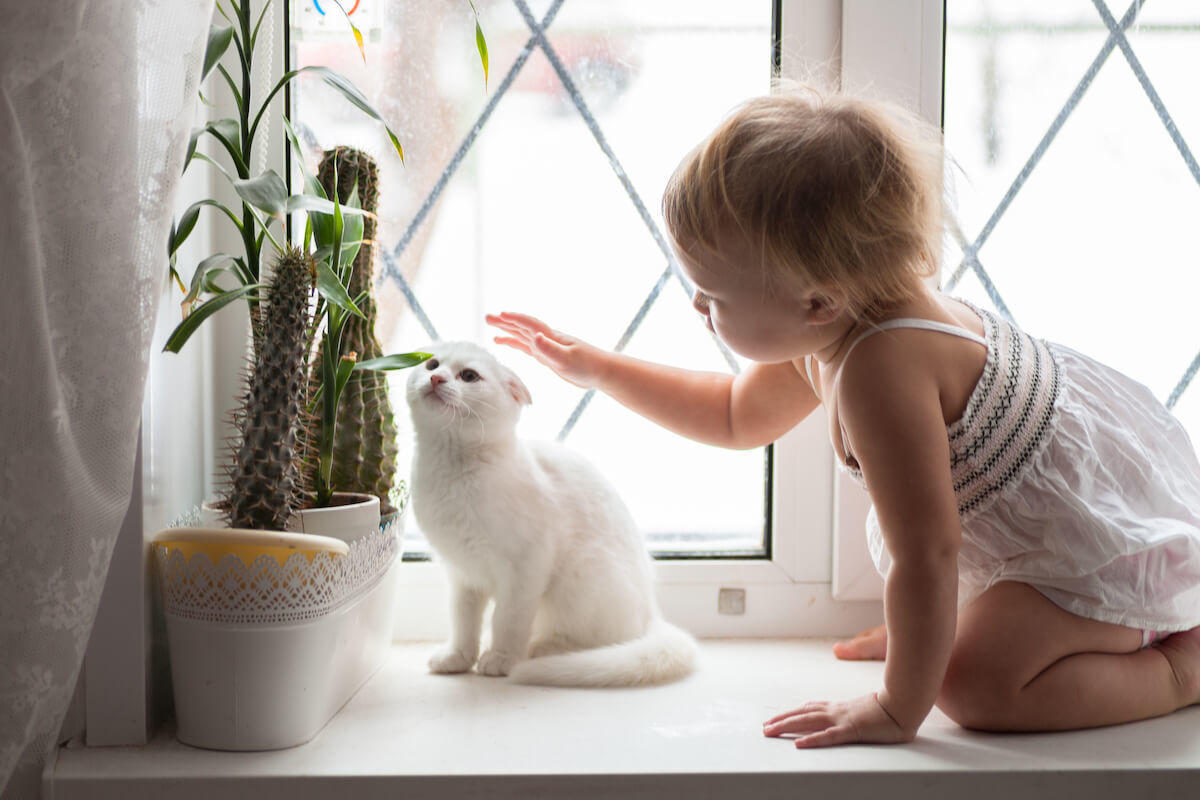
x,y
333,230
265,200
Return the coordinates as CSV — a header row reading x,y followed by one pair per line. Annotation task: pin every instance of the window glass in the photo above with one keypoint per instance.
x,y
512,197
1075,145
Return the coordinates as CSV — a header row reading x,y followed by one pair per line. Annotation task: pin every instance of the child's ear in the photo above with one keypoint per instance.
x,y
823,307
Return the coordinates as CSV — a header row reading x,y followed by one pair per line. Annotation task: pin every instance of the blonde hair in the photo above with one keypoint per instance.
x,y
835,193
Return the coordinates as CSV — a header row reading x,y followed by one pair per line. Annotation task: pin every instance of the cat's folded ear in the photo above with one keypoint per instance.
x,y
517,389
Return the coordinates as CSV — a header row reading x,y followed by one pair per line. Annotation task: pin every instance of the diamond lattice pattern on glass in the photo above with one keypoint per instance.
x,y
1078,190
540,194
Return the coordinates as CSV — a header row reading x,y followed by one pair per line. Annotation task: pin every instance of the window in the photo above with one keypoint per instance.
x,y
540,194
1074,124
1075,185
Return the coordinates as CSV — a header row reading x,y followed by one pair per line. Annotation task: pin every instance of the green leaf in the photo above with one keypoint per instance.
x,y
358,37
338,82
178,280
217,166
339,229
393,361
349,250
225,131
186,223
200,313
196,207
352,233
193,140
219,37
333,290
233,87
309,178
345,368
266,192
308,202
481,45
205,272
257,25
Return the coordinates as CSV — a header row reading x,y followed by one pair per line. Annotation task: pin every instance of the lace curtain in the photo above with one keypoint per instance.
x,y
96,102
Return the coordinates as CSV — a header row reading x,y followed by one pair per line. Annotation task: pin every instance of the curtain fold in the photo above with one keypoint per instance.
x,y
96,104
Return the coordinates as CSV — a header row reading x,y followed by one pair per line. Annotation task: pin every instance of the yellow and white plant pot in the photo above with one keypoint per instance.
x,y
270,634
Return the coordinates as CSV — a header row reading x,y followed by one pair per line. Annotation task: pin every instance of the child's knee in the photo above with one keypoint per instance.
x,y
974,693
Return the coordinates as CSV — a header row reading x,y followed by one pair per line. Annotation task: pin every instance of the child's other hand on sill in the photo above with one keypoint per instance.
x,y
862,720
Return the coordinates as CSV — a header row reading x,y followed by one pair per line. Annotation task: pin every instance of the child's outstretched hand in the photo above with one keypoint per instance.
x,y
823,724
574,360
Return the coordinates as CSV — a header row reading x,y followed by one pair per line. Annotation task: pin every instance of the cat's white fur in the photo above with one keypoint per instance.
x,y
535,528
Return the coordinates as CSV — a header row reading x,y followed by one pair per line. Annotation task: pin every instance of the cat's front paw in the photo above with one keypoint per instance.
x,y
495,664
450,662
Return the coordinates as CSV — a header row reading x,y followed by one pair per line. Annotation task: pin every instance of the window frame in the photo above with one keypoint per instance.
x,y
804,589
818,579
894,50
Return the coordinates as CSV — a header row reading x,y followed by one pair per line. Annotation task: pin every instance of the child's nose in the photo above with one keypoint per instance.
x,y
700,303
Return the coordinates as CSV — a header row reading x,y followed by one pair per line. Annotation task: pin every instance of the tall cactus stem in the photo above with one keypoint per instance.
x,y
365,445
266,484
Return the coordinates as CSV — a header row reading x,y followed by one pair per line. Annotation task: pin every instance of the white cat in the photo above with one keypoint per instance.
x,y
535,528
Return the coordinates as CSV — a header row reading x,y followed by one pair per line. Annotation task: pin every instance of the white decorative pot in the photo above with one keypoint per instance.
x,y
350,517
270,634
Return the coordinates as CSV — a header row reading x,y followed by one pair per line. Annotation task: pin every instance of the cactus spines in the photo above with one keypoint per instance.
x,y
266,477
365,447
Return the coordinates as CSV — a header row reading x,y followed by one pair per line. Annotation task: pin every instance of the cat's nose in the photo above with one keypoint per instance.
x,y
436,380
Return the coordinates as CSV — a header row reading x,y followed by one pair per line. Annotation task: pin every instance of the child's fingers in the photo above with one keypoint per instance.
x,y
801,721
827,738
814,705
538,346
504,325
548,348
518,330
517,344
511,320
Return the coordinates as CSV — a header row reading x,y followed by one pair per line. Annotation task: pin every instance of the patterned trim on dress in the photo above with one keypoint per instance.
x,y
1009,417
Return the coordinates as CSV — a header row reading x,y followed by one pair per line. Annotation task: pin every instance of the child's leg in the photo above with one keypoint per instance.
x,y
1022,663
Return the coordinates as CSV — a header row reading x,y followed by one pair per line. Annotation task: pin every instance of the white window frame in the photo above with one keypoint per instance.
x,y
892,50
818,581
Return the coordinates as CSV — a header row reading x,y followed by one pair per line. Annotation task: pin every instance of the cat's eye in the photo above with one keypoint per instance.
x,y
469,375
432,364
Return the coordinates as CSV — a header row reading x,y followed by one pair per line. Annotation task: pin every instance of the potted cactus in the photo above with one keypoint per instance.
x,y
333,235
271,632
272,624
363,438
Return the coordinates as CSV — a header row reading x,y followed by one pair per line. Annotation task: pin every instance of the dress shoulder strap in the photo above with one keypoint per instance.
x,y
914,322
811,381
892,324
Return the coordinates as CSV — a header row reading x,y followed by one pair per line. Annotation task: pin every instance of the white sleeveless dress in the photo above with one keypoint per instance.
x,y
1072,478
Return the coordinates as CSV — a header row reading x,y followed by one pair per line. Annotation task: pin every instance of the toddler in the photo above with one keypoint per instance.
x,y
1036,514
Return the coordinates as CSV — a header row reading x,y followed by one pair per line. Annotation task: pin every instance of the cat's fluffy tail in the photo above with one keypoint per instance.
x,y
664,654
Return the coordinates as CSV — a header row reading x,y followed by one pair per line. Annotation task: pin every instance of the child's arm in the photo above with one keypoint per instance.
x,y
752,409
889,405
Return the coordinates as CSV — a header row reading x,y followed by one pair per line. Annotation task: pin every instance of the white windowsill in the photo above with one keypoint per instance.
x,y
411,734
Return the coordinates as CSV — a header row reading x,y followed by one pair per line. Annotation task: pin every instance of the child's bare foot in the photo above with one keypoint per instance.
x,y
1183,651
868,645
